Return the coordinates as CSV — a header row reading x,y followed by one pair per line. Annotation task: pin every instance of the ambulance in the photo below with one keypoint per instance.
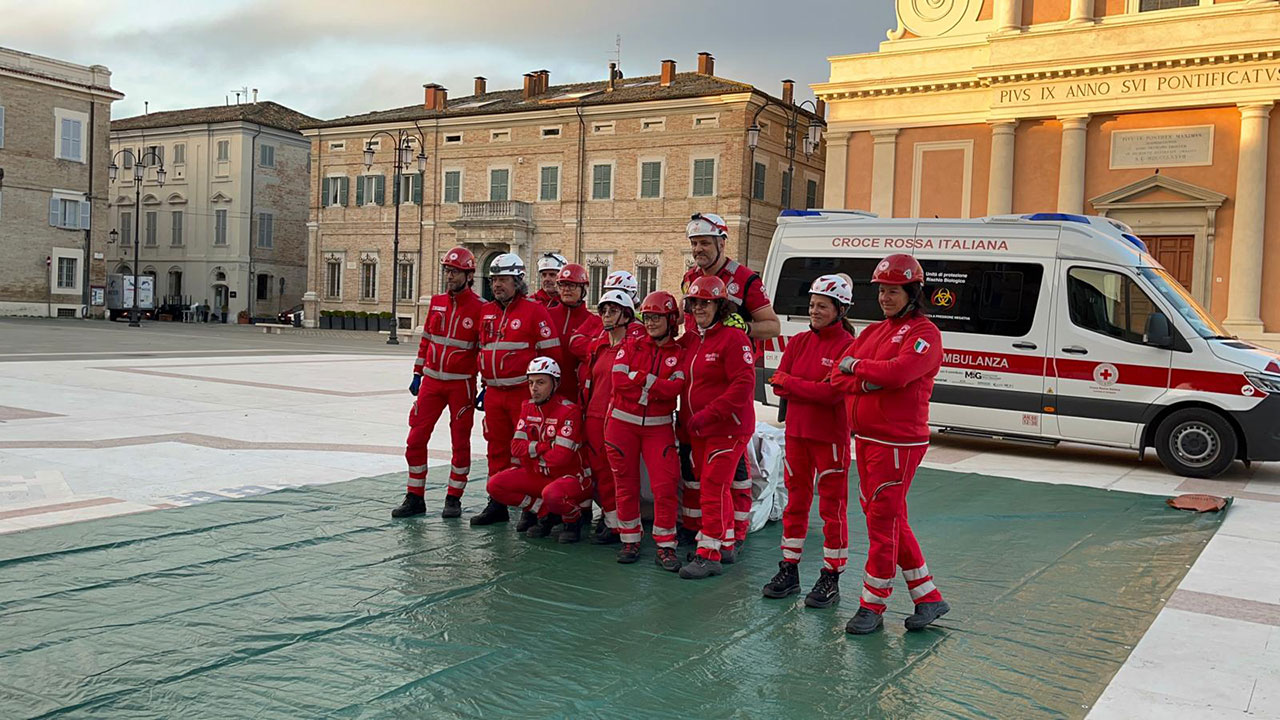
x,y
1056,328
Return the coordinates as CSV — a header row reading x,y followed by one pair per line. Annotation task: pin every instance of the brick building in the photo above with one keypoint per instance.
x,y
606,173
228,227
53,159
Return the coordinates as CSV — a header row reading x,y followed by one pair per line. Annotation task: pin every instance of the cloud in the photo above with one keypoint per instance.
x,y
329,58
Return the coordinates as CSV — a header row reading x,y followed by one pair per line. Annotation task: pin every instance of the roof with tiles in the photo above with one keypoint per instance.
x,y
265,113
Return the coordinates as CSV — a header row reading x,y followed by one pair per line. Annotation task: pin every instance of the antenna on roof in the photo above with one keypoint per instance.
x,y
146,107
617,50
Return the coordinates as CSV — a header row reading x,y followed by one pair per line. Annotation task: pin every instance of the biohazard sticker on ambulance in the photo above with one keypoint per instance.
x,y
1106,374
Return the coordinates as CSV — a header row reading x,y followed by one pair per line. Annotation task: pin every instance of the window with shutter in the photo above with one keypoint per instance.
x,y
499,185
126,229
224,150
416,193
549,184
177,227
86,211
343,190
267,156
651,180
601,182
811,194
453,186
266,230
219,227
380,189
180,154
1,126
150,222
757,182
404,281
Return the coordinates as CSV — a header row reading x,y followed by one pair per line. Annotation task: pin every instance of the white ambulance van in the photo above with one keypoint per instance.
x,y
1055,327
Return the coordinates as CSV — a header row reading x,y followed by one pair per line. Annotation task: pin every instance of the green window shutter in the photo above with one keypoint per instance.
x,y
380,189
324,192
417,189
343,190
360,191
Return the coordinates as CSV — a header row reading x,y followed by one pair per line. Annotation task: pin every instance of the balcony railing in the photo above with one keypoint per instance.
x,y
496,210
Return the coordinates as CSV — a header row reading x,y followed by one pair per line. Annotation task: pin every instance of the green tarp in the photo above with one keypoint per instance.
x,y
314,603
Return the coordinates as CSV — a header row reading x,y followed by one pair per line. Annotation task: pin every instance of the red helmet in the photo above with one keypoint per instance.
x,y
707,287
661,302
899,269
573,273
459,258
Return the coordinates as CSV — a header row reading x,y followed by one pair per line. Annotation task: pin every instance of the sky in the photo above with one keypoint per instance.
x,y
328,59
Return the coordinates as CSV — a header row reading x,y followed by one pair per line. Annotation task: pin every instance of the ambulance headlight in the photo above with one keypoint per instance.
x,y
1265,383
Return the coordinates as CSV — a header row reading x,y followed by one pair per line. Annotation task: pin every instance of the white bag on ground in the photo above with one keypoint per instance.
x,y
764,464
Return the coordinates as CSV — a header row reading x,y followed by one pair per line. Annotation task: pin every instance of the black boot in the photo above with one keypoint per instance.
x,y
494,512
604,535
413,505
685,536
926,613
825,592
572,531
543,526
452,507
786,582
667,560
864,622
729,556
629,553
526,521
701,568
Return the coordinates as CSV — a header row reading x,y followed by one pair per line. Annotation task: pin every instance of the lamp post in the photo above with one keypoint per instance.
x,y
403,140
140,165
812,138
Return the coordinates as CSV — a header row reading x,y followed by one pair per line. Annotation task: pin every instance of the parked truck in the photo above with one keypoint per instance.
x,y
120,295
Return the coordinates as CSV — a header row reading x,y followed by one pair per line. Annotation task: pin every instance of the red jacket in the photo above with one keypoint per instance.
x,y
451,337
545,299
511,337
814,411
597,378
744,287
647,381
892,380
575,326
719,397
547,438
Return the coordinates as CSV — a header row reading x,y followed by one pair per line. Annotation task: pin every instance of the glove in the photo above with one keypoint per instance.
x,y
413,386
868,387
778,379
479,403
735,321
846,365
699,422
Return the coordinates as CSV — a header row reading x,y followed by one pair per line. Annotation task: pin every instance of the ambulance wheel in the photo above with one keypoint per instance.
x,y
1196,443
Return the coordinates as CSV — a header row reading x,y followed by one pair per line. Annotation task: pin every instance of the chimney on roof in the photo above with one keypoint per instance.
x,y
530,80
434,97
822,108
668,72
788,92
255,95
706,64
613,76
544,80
480,85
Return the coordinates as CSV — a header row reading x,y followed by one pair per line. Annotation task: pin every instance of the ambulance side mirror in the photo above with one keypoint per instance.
x,y
1158,332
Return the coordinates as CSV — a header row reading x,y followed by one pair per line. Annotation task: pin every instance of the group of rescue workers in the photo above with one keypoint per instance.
x,y
573,401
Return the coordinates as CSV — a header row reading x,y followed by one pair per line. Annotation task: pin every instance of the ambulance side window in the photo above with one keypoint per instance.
x,y
982,298
798,274
1108,303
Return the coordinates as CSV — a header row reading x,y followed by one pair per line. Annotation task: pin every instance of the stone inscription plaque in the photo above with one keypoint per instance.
x,y
1162,147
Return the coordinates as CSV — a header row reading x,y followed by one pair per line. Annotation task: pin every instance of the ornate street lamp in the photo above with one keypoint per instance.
x,y
140,165
401,161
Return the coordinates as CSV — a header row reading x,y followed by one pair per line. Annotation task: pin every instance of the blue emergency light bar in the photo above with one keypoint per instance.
x,y
1062,217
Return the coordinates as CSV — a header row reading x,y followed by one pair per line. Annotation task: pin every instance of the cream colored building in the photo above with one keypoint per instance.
x,y
1154,112
606,173
53,210
228,227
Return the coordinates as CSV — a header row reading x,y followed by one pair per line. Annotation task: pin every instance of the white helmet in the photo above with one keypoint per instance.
x,y
552,261
506,264
707,224
622,280
834,287
544,366
620,298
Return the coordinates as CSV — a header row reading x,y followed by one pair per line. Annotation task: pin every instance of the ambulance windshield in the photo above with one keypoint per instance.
x,y
1177,296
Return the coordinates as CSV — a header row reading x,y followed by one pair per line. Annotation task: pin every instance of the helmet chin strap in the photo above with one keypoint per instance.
x,y
913,299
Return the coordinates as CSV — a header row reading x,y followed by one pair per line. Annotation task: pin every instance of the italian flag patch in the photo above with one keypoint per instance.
x,y
921,347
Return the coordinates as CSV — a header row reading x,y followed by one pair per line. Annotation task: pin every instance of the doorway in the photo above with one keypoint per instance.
x,y
220,302
1176,253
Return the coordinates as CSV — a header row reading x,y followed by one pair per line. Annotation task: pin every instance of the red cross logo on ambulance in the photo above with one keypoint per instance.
x,y
1247,391
1106,374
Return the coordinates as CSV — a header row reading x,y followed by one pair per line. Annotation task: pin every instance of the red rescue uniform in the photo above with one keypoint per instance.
x,y
647,381
893,364
597,395
546,299
576,326
717,417
511,337
447,362
817,446
549,478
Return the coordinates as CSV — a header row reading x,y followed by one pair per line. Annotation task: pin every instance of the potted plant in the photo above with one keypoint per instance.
x,y
242,317
384,321
362,320
326,319
348,319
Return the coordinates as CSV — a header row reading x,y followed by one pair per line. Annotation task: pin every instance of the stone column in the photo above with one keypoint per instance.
x,y
884,158
1008,15
833,196
1081,12
1000,186
1071,171
1244,294
311,298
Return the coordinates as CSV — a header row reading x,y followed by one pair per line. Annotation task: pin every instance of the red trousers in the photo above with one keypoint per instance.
x,y
714,462
626,444
501,415
597,460
885,473
538,493
812,463
433,397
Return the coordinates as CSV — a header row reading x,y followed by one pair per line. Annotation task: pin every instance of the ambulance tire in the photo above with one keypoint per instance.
x,y
1196,443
